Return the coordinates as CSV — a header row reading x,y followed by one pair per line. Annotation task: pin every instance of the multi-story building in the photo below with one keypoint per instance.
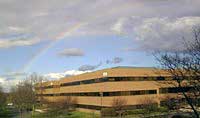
x,y
94,90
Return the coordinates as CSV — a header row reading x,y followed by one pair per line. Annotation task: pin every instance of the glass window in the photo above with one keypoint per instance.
x,y
103,79
105,93
152,92
163,90
160,78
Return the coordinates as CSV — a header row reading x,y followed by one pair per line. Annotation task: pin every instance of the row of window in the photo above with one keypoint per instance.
x,y
175,89
44,87
112,79
108,79
125,93
116,93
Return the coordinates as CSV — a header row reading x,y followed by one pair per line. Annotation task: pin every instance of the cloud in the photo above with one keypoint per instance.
x,y
16,40
159,33
89,67
117,27
2,80
49,19
14,74
16,29
7,84
7,81
16,43
50,76
115,60
71,52
165,33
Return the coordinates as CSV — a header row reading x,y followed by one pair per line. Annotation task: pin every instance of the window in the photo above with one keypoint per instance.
x,y
103,79
135,92
125,93
152,92
175,90
111,79
163,90
118,79
76,83
160,78
105,93
115,93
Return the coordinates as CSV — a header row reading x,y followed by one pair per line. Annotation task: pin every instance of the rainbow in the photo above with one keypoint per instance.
x,y
43,50
61,36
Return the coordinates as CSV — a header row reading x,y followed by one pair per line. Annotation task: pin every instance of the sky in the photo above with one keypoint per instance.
x,y
57,38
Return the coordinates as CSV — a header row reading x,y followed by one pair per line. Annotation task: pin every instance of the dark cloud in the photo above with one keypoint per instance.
x,y
115,60
89,67
71,52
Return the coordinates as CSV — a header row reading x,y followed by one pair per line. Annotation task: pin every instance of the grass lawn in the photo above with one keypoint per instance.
x,y
62,114
7,113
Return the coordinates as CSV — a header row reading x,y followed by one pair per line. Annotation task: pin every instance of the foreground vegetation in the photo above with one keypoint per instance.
x,y
63,114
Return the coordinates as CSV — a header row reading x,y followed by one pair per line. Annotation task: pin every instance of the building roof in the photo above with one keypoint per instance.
x,y
120,71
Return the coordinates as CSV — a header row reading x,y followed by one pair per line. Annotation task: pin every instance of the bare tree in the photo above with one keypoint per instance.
x,y
184,66
37,85
2,98
68,103
23,96
172,103
149,105
119,105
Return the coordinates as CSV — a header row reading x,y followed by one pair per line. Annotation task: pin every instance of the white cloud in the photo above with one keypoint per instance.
x,y
165,33
18,42
69,52
118,26
7,84
11,79
16,29
2,80
63,74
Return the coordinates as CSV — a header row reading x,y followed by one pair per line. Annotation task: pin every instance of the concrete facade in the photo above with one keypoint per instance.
x,y
97,89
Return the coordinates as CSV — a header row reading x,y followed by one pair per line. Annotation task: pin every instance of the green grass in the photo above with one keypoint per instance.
x,y
62,114
6,113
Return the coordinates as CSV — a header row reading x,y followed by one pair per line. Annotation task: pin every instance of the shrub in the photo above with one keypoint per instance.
x,y
119,105
171,103
136,111
162,109
108,112
68,104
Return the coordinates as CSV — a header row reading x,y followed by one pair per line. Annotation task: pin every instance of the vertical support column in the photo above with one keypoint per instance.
x,y
101,102
158,96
